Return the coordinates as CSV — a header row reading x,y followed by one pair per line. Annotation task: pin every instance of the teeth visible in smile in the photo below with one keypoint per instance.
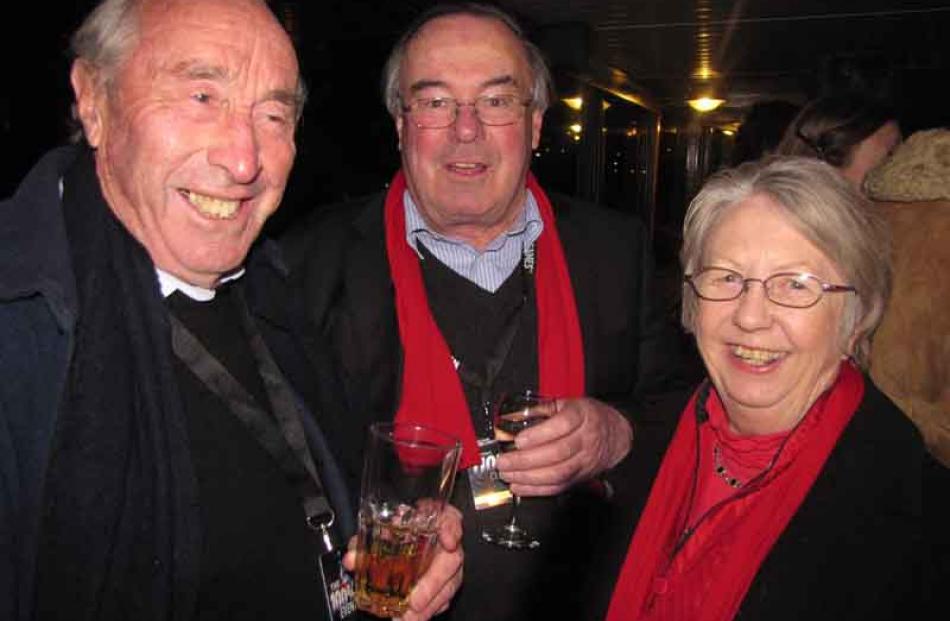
x,y
466,166
213,207
756,357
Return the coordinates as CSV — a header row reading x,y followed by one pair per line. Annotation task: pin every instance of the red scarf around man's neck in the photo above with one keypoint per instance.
x,y
709,575
431,390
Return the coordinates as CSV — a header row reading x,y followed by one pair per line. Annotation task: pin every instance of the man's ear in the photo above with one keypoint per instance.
x,y
399,125
89,100
537,119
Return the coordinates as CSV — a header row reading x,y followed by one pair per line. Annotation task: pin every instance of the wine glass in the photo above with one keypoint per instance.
x,y
512,414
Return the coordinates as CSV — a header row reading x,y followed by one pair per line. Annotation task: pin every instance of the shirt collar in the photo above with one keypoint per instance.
x,y
170,283
528,223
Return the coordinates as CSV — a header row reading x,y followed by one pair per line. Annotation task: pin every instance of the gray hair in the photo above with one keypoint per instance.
x,y
109,34
826,210
541,89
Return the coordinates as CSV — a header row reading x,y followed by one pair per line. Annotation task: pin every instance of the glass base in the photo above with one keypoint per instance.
x,y
511,536
381,605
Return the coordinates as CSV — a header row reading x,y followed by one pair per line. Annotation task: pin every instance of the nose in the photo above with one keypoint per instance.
x,y
467,127
753,310
235,148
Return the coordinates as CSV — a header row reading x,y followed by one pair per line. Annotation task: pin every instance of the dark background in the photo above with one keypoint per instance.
x,y
791,49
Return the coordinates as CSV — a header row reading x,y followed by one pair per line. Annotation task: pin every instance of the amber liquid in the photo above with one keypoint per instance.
x,y
389,561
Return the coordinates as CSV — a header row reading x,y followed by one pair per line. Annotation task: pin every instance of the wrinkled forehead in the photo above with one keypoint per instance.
x,y
465,47
242,34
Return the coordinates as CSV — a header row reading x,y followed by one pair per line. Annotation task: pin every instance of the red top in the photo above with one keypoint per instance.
x,y
743,457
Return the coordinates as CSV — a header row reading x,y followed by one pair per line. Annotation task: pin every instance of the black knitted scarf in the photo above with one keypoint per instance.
x,y
120,535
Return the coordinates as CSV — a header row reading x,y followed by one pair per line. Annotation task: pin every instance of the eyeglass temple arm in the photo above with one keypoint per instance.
x,y
837,288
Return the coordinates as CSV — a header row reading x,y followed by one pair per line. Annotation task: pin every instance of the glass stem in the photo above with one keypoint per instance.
x,y
513,518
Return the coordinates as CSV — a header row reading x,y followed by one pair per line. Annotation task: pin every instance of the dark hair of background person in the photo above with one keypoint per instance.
x,y
830,127
762,129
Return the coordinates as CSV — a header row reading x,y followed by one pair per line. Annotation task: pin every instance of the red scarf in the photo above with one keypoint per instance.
x,y
431,390
707,578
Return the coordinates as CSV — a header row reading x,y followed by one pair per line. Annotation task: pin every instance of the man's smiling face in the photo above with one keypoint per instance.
x,y
467,179
194,136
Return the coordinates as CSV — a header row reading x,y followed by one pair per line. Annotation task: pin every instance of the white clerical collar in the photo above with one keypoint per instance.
x,y
170,283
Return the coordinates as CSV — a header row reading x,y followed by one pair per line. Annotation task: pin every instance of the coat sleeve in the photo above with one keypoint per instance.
x,y
33,363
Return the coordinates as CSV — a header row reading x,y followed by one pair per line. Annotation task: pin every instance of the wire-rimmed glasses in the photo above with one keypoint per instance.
x,y
440,112
789,289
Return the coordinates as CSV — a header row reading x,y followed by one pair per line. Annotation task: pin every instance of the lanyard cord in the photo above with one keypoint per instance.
x,y
483,380
284,438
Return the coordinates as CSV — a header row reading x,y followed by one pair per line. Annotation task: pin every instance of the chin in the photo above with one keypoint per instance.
x,y
754,392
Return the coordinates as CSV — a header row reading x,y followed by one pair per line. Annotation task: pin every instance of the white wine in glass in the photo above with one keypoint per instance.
x,y
512,414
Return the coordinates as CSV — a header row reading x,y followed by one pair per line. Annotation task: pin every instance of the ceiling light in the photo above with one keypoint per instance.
x,y
574,103
705,104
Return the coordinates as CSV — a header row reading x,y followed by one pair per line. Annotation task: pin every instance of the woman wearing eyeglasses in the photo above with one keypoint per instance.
x,y
791,487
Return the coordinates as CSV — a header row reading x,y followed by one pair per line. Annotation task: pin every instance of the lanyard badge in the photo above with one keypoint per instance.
x,y
488,488
337,586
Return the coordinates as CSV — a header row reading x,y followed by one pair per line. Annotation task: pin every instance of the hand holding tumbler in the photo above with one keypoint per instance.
x,y
408,476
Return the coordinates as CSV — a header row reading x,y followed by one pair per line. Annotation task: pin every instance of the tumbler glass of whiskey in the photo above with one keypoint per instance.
x,y
408,474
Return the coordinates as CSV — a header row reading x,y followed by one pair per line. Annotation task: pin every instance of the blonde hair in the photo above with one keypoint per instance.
x,y
826,210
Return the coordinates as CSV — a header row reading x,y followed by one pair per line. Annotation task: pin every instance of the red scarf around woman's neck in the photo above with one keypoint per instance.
x,y
432,393
708,577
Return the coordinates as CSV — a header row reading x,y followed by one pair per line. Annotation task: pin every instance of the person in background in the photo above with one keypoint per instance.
x,y
791,487
467,280
910,359
143,471
763,126
851,132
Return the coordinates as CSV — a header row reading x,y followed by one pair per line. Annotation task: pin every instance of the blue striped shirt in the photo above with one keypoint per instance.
x,y
488,268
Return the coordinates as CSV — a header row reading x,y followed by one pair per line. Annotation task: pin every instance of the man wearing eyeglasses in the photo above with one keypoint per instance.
x,y
466,281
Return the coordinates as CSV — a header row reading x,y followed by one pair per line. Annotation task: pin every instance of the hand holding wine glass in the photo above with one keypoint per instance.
x,y
512,414
585,438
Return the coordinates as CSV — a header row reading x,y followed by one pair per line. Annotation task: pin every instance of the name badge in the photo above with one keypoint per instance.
x,y
488,488
337,586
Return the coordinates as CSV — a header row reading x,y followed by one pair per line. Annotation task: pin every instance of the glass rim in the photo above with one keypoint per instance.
x,y
387,430
528,392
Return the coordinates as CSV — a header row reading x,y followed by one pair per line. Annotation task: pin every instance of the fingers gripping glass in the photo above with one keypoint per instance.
x,y
439,112
408,475
513,414
790,289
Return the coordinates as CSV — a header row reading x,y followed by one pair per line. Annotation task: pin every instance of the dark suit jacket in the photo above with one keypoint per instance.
x,y
630,350
339,259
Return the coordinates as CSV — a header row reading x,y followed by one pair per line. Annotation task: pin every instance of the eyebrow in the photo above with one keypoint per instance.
x,y
199,70
421,85
796,267
283,96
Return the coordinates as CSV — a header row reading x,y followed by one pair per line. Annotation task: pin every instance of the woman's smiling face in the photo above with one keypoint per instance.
x,y
769,363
